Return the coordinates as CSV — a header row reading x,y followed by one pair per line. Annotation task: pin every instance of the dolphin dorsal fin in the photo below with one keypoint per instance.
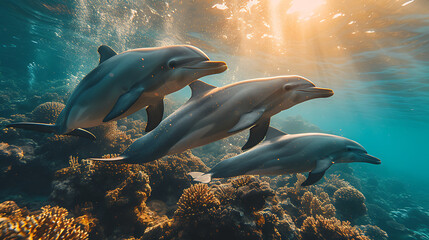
x,y
273,133
105,52
198,88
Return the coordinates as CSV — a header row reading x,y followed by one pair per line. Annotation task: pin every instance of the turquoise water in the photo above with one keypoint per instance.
x,y
373,54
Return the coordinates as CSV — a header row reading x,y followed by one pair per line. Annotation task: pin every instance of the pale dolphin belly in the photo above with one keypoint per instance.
x,y
207,128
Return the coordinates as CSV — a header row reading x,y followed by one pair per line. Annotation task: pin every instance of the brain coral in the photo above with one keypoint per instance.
x,y
47,112
350,202
195,202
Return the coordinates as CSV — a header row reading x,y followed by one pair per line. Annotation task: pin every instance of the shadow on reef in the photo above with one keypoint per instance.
x,y
158,200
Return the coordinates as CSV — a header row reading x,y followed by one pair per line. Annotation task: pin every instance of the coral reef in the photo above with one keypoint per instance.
x,y
321,228
231,210
169,175
374,232
350,203
213,153
116,193
196,203
10,155
51,223
47,112
157,200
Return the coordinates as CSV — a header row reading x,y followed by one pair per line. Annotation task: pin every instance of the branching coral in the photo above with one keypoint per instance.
x,y
51,223
305,202
196,203
117,193
320,228
333,183
312,205
169,176
350,203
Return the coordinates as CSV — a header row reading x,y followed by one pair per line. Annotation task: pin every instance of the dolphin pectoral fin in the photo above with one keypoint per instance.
x,y
82,133
247,120
125,101
273,133
318,172
105,52
40,127
201,177
312,178
198,88
257,134
154,115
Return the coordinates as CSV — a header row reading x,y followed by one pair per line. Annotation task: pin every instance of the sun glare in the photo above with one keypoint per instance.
x,y
305,8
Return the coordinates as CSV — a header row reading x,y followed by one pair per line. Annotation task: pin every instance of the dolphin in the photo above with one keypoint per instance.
x,y
124,83
213,113
282,153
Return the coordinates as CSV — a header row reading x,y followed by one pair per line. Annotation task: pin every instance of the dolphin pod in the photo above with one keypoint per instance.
x,y
213,113
281,153
124,83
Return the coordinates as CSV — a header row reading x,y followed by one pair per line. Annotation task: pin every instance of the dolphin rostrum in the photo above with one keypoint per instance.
x,y
281,153
214,113
124,83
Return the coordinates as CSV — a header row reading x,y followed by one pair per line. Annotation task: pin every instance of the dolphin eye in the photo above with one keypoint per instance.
x,y
172,64
287,87
182,62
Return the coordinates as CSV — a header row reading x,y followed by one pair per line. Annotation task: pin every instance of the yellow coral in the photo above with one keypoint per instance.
x,y
312,206
320,228
195,202
50,224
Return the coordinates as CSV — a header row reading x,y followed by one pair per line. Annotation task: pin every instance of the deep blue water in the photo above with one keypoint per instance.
x,y
373,54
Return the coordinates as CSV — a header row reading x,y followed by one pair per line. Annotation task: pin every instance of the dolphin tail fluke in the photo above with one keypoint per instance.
x,y
114,159
82,133
201,177
40,127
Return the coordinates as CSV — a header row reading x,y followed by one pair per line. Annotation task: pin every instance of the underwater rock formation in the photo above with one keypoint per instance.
x,y
50,223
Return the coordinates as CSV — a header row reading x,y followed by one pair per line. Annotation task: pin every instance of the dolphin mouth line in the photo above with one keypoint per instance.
x,y
320,92
369,159
218,66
